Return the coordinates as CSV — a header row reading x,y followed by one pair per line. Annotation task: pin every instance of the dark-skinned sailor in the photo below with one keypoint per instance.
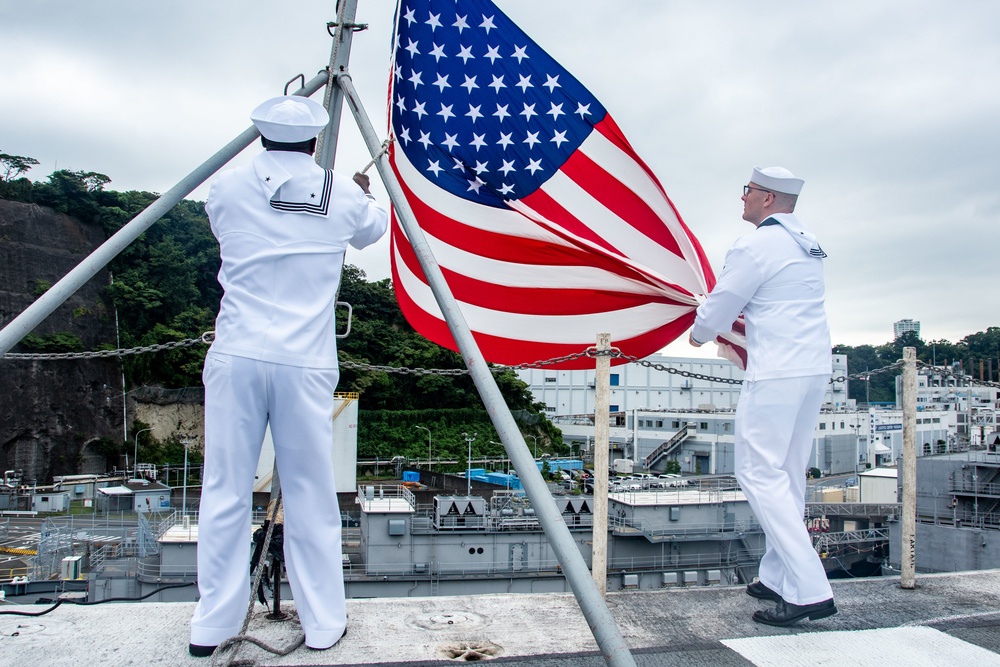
x,y
283,225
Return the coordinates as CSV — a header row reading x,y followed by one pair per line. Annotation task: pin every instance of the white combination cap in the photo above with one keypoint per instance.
x,y
290,119
777,179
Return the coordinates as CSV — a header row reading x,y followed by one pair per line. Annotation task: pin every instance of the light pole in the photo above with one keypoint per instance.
x,y
468,462
135,459
184,501
506,459
428,445
535,438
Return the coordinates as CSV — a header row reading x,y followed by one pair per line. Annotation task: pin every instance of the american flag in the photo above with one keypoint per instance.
x,y
547,225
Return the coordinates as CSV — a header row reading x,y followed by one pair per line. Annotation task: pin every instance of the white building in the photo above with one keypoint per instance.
x,y
901,327
954,391
635,386
658,415
702,441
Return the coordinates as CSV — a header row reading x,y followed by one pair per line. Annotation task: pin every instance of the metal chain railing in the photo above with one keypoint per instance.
x,y
590,352
206,338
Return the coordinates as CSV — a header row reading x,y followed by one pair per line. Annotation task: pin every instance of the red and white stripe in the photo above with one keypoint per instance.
x,y
598,248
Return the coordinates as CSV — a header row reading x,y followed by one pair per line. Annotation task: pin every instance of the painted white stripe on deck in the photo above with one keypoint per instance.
x,y
913,646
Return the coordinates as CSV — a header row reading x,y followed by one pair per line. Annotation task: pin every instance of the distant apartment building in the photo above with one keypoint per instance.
x,y
901,327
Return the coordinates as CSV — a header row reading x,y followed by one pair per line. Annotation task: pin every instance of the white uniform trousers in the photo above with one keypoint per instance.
x,y
241,396
775,425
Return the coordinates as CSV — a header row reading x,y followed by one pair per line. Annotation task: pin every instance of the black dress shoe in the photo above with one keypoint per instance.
x,y
199,651
786,613
761,592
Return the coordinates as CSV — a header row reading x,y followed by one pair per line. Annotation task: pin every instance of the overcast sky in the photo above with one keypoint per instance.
x,y
889,110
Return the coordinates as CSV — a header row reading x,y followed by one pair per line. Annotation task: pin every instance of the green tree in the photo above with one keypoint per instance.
x,y
13,166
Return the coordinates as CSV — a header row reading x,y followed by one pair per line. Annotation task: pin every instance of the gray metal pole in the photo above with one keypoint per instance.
x,y
333,98
909,518
598,616
33,315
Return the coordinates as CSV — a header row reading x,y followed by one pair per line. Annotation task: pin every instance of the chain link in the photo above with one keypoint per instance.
x,y
206,337
590,352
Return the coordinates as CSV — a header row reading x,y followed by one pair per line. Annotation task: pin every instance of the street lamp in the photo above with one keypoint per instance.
x,y
184,502
535,438
428,446
507,459
135,459
468,461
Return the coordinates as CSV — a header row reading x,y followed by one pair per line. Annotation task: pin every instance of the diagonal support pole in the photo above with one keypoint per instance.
x,y
594,608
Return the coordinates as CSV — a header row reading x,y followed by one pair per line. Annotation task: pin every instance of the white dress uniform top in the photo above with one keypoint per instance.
x,y
774,276
283,225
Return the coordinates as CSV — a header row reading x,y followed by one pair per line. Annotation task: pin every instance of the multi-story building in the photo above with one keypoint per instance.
x,y
640,387
660,415
903,326
974,407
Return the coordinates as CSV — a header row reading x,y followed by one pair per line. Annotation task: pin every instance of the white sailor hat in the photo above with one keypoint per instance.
x,y
290,119
777,179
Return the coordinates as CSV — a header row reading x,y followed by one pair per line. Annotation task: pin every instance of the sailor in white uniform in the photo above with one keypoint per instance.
x,y
283,225
774,276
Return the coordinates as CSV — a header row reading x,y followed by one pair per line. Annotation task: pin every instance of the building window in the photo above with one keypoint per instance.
x,y
614,408
550,379
703,426
614,379
659,423
675,424
841,424
727,426
822,426
548,409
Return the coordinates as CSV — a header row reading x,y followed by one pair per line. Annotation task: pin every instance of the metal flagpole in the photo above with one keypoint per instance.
x,y
333,99
33,315
594,608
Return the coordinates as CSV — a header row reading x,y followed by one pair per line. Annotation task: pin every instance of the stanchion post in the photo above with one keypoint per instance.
x,y
908,554
602,417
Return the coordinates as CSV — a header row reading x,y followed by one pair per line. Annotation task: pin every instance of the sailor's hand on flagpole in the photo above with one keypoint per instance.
x,y
363,181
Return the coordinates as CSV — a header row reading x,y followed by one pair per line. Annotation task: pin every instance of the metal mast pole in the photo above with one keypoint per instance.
x,y
33,315
598,616
333,98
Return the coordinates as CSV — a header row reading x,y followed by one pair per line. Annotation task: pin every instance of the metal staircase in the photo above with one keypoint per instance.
x,y
666,448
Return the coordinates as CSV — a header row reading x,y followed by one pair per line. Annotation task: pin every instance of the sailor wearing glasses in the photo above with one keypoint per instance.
x,y
774,276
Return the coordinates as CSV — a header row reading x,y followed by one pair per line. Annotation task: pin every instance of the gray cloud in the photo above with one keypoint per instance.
x,y
888,110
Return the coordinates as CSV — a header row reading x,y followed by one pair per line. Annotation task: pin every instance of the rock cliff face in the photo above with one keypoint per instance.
x,y
54,413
